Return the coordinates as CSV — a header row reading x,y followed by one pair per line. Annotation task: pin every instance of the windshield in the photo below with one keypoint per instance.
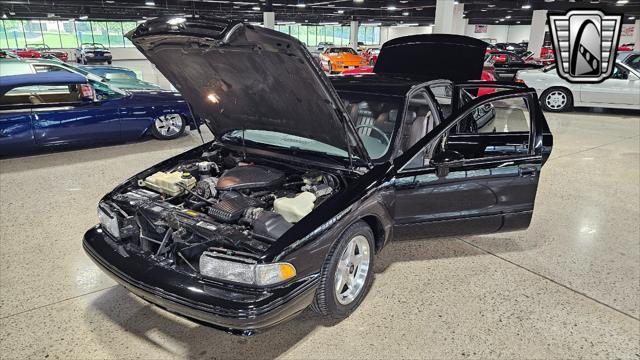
x,y
93,46
634,62
284,141
343,50
375,119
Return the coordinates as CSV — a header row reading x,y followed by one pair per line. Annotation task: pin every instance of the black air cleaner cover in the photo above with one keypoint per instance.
x,y
250,177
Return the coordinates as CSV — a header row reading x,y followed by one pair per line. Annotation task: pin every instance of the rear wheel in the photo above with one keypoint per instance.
x,y
347,273
169,126
84,60
557,100
109,62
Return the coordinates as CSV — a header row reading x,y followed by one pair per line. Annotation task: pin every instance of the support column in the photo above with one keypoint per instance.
x,y
444,17
538,29
458,20
636,36
268,17
353,37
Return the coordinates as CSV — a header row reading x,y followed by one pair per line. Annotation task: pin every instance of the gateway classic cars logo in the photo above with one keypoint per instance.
x,y
585,44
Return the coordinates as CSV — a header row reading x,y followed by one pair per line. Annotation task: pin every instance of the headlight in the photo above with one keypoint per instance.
x,y
89,54
243,270
108,220
107,53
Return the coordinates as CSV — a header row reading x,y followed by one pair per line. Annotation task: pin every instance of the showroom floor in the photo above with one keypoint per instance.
x,y
569,287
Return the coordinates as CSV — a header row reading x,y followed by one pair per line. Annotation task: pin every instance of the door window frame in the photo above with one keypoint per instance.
x,y
461,111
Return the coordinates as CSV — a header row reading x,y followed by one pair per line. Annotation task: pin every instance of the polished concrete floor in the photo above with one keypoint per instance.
x,y
569,287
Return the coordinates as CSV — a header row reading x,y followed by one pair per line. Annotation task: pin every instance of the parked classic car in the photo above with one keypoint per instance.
x,y
371,55
92,52
309,177
27,53
507,64
121,77
60,109
512,47
338,59
621,90
47,52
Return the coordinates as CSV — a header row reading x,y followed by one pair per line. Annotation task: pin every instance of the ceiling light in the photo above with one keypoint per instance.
x,y
632,18
301,5
11,13
391,8
491,5
4,16
497,21
150,3
330,23
109,1
340,11
256,8
508,17
406,13
621,2
483,10
83,17
517,22
358,1
501,19
526,6
404,1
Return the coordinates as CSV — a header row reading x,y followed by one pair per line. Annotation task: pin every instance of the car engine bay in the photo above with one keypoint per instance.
x,y
221,200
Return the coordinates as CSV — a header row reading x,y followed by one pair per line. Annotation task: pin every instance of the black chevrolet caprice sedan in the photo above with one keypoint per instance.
x,y
309,177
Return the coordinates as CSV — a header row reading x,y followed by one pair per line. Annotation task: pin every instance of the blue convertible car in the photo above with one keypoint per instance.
x,y
43,110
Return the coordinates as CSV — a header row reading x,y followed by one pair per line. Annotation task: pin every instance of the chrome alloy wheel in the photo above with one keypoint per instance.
x,y
351,272
169,125
556,100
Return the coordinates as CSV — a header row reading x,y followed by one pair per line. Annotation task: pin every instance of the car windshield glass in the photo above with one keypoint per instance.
x,y
343,50
375,119
284,141
634,62
94,46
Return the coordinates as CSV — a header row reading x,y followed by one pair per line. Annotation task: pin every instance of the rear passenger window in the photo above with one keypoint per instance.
x,y
36,95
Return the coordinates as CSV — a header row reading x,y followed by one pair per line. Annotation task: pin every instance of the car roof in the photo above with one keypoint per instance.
x,y
46,78
375,83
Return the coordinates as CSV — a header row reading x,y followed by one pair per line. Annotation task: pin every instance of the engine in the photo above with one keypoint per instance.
x,y
216,201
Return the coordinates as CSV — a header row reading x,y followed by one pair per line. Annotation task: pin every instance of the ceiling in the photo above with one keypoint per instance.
x,y
387,12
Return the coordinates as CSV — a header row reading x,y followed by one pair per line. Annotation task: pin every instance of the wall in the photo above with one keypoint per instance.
x,y
501,33
393,32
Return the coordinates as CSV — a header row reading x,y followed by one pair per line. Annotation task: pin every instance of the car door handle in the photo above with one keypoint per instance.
x,y
528,170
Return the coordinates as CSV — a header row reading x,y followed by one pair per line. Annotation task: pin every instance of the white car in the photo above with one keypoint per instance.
x,y
621,90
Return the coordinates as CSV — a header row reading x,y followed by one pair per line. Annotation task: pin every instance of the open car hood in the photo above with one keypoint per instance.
x,y
236,76
433,56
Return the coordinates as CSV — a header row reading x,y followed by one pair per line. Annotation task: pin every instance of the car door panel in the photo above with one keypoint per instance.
x,y
80,123
612,91
16,133
495,192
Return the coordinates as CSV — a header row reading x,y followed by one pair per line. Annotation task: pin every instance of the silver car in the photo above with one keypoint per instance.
x,y
621,90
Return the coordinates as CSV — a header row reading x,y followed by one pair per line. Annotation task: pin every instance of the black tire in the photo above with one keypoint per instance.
x,y
326,301
109,62
84,61
330,70
78,60
548,104
158,134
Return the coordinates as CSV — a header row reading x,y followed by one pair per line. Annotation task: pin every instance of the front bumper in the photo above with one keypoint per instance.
x,y
237,310
98,58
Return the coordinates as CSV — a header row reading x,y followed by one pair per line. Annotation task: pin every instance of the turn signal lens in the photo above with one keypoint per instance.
x,y
520,81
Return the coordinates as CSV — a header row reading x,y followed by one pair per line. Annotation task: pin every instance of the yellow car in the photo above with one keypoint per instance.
x,y
338,59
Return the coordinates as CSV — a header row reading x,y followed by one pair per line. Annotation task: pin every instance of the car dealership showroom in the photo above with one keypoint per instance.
x,y
319,179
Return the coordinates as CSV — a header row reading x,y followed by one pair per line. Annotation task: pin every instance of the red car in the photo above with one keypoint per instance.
x,y
371,55
27,53
625,47
47,52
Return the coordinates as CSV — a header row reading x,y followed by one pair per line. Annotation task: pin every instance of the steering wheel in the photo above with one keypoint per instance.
x,y
384,136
